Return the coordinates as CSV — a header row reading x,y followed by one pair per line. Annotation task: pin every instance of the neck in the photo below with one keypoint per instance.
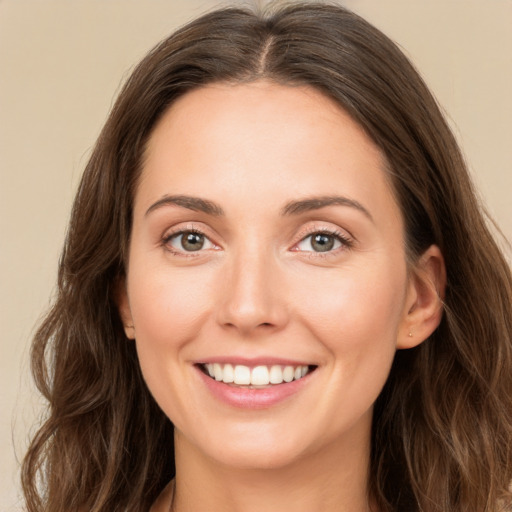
x,y
333,479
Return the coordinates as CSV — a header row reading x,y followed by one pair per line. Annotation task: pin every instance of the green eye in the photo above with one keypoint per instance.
x,y
321,242
189,241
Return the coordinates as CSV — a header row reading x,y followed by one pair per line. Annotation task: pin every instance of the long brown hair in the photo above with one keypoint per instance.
x,y
442,427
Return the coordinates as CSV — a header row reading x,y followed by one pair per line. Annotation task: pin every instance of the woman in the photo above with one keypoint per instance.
x,y
278,289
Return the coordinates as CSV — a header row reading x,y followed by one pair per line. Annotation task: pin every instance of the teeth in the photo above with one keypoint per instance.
x,y
260,376
257,376
228,374
288,373
242,374
217,371
276,375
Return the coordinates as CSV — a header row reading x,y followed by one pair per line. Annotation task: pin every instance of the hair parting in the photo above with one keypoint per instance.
x,y
442,426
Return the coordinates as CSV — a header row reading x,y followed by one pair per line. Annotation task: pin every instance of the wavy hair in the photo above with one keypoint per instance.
x,y
442,428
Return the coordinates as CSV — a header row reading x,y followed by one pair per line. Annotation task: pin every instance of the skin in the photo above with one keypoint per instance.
x,y
259,288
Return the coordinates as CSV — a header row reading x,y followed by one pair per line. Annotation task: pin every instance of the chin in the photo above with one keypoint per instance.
x,y
254,456
245,448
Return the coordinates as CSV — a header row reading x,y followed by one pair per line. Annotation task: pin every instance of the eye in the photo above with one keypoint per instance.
x,y
322,242
189,241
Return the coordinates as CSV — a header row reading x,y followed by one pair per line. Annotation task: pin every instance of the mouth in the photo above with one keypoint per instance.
x,y
261,376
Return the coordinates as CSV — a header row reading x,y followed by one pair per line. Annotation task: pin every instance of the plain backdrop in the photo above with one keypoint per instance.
x,y
61,65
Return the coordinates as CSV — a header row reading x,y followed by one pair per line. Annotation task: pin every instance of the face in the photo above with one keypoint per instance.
x,y
267,283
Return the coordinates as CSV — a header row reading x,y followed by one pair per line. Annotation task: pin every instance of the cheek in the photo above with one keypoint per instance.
x,y
356,310
168,310
168,306
356,315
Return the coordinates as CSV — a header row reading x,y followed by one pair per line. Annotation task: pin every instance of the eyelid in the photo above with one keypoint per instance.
x,y
180,229
336,241
181,234
343,236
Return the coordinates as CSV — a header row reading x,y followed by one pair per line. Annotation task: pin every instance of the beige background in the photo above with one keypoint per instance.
x,y
61,64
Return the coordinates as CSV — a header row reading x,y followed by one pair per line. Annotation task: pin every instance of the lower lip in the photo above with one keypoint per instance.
x,y
253,398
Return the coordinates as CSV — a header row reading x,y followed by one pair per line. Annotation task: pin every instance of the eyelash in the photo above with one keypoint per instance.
x,y
166,242
345,241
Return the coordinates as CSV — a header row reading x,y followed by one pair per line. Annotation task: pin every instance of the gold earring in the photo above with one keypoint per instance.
x,y
410,334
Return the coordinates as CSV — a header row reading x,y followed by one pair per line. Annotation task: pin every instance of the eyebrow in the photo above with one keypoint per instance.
x,y
292,208
191,203
316,203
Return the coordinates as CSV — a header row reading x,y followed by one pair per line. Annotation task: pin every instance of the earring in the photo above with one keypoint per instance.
x,y
410,334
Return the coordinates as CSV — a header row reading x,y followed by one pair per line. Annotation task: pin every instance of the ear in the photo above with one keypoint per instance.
x,y
123,306
424,302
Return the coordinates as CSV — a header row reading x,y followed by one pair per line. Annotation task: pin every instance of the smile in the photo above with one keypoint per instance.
x,y
241,375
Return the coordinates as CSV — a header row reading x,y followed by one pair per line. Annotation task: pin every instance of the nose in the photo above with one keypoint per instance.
x,y
253,295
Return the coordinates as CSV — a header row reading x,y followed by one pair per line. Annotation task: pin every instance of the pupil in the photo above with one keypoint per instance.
x,y
192,241
322,243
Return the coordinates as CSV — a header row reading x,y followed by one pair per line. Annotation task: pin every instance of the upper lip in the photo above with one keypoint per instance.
x,y
252,362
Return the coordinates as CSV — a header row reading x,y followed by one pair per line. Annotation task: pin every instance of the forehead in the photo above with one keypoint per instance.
x,y
261,138
218,111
